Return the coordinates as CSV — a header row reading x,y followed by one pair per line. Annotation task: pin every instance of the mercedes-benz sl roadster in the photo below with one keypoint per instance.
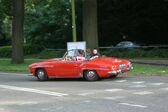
x,y
73,65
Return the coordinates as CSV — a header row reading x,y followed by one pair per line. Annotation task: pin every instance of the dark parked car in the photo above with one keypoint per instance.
x,y
127,44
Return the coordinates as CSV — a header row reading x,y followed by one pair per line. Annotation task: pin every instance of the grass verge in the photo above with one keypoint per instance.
x,y
6,66
139,69
144,69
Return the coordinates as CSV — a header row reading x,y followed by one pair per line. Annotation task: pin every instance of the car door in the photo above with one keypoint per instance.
x,y
67,69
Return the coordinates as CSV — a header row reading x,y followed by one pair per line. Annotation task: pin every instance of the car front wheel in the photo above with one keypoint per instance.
x,y
41,75
91,75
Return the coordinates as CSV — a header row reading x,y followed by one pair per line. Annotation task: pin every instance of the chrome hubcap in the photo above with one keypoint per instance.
x,y
40,74
91,74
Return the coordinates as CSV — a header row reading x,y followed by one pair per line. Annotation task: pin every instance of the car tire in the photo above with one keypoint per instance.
x,y
41,75
91,75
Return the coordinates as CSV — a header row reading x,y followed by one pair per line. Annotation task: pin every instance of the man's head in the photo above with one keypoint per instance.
x,y
95,51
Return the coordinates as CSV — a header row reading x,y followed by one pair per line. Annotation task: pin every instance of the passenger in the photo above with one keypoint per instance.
x,y
88,54
95,54
81,55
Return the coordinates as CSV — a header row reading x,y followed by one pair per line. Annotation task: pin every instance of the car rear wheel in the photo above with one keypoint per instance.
x,y
91,75
41,75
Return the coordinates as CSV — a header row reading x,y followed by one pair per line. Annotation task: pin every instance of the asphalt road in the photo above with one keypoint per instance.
x,y
23,93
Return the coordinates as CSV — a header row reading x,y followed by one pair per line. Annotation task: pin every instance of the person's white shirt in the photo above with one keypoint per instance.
x,y
80,58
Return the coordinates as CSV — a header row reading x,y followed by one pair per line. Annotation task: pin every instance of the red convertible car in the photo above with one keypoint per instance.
x,y
73,65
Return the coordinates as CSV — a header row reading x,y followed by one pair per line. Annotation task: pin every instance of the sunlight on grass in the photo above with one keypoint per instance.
x,y
141,69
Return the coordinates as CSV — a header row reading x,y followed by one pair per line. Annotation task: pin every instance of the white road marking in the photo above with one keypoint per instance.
x,y
157,84
133,105
18,103
87,101
45,109
58,108
113,90
138,82
2,109
121,81
28,103
85,94
138,86
114,97
165,88
143,93
32,90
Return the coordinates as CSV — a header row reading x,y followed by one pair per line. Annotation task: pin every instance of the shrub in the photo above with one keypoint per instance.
x,y
32,49
51,54
6,51
136,53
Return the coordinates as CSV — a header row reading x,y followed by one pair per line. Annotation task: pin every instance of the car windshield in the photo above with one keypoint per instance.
x,y
75,55
79,55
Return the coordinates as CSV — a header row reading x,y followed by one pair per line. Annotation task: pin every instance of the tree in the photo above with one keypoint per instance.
x,y
48,23
5,14
90,33
17,31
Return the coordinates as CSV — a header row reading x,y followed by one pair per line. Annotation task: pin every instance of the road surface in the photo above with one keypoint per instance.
x,y
23,93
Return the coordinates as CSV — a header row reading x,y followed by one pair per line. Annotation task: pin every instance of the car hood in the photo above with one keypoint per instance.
x,y
45,62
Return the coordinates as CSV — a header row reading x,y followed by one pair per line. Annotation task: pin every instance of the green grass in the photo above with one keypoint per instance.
x,y
6,66
139,69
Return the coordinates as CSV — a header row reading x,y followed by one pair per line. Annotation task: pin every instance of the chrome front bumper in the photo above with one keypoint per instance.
x,y
114,72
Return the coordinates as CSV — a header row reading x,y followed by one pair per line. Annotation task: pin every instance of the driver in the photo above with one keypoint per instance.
x,y
81,55
95,54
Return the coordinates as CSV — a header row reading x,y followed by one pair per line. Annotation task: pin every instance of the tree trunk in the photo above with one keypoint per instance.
x,y
90,32
17,31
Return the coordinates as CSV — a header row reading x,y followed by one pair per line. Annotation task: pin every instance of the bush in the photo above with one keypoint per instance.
x,y
136,53
32,49
6,51
51,54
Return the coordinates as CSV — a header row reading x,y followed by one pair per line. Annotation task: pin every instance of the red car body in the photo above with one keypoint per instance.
x,y
62,68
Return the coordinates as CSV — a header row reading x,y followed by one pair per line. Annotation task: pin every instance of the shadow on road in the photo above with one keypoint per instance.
x,y
29,78
66,79
80,79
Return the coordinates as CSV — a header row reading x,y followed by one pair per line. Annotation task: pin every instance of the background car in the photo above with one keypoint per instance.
x,y
127,44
